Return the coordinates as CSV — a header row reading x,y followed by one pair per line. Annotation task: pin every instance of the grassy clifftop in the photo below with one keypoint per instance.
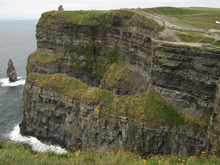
x,y
190,24
184,10
76,17
202,17
97,18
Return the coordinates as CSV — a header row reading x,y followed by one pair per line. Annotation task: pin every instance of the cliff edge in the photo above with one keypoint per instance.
x,y
103,79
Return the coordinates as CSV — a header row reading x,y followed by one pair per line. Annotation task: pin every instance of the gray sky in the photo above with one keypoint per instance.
x,y
32,9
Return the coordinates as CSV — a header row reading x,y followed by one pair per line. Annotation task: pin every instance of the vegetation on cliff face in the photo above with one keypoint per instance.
x,y
42,58
96,63
114,73
147,107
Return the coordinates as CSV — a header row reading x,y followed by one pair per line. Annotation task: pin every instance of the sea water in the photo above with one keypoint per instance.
x,y
17,41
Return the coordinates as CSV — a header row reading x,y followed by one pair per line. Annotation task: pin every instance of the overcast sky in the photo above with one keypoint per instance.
x,y
32,9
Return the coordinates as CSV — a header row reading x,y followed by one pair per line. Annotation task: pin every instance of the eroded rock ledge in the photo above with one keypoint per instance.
x,y
93,78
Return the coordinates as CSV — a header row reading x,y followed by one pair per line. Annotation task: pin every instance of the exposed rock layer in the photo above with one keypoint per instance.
x,y
185,76
78,122
125,60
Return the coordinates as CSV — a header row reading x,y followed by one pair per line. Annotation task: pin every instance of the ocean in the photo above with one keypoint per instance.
x,y
17,41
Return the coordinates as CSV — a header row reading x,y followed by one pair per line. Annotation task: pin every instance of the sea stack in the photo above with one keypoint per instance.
x,y
11,73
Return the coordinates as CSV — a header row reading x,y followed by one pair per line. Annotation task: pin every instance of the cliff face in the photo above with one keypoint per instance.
x,y
62,110
86,51
121,68
186,76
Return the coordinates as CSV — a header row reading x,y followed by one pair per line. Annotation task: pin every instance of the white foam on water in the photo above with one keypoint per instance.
x,y
5,82
35,144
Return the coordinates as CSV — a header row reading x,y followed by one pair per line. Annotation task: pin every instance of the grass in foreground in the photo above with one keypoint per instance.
x,y
15,154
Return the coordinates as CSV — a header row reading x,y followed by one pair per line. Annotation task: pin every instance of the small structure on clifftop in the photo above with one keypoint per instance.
x,y
11,73
60,8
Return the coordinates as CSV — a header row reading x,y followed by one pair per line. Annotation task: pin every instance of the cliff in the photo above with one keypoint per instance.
x,y
102,79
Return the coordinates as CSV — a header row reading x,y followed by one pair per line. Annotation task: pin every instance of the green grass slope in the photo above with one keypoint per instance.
x,y
184,10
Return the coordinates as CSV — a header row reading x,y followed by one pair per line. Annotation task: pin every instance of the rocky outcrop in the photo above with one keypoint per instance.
x,y
94,81
11,73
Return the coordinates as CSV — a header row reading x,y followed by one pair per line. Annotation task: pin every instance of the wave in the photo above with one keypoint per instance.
x,y
35,144
5,82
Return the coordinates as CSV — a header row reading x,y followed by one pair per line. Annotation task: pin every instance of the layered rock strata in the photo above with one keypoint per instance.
x,y
117,52
85,118
186,76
